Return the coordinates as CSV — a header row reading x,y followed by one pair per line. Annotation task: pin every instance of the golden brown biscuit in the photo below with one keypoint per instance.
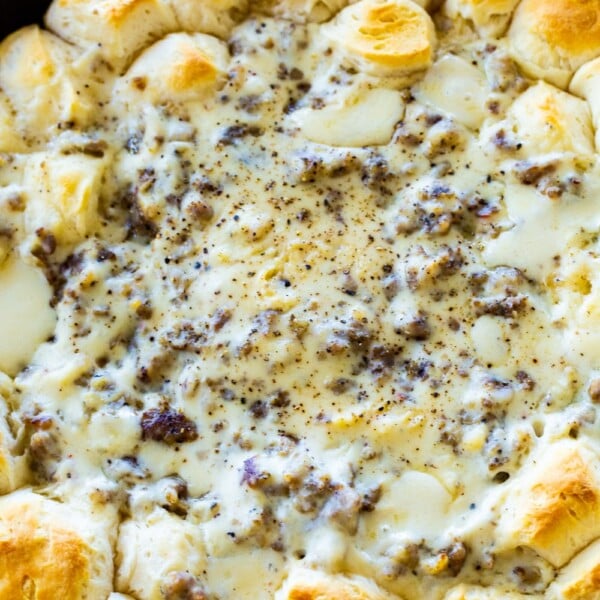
x,y
580,579
385,37
490,17
49,550
37,79
555,506
216,17
307,584
179,67
586,83
550,40
116,28
545,119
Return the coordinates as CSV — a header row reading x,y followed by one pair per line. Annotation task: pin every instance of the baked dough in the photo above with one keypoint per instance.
x,y
491,17
385,37
215,17
303,584
117,28
28,317
49,550
586,83
179,67
580,579
555,509
302,10
545,120
550,40
457,88
472,592
354,120
62,194
154,551
36,73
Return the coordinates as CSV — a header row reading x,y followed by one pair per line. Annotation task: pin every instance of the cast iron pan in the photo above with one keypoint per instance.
x,y
18,13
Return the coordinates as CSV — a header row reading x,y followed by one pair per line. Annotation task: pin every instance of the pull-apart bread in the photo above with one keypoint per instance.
x,y
300,300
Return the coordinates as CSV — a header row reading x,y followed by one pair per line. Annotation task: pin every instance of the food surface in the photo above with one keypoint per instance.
x,y
300,300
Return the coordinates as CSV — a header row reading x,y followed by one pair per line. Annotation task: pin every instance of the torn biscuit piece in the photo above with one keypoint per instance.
x,y
27,321
179,67
215,17
586,83
490,17
36,75
10,139
554,506
580,579
152,549
545,120
456,87
308,584
354,120
13,468
52,550
385,37
62,194
301,11
118,29
550,40
475,592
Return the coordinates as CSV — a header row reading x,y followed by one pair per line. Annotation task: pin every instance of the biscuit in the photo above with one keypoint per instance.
x,y
455,87
117,29
385,37
545,120
580,579
586,83
13,470
216,17
62,194
353,121
28,320
490,17
179,67
10,138
49,550
36,77
474,592
291,321
306,584
550,40
152,548
554,507
302,11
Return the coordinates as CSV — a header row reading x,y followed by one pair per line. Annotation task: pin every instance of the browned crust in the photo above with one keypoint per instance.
x,y
39,561
567,495
573,25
